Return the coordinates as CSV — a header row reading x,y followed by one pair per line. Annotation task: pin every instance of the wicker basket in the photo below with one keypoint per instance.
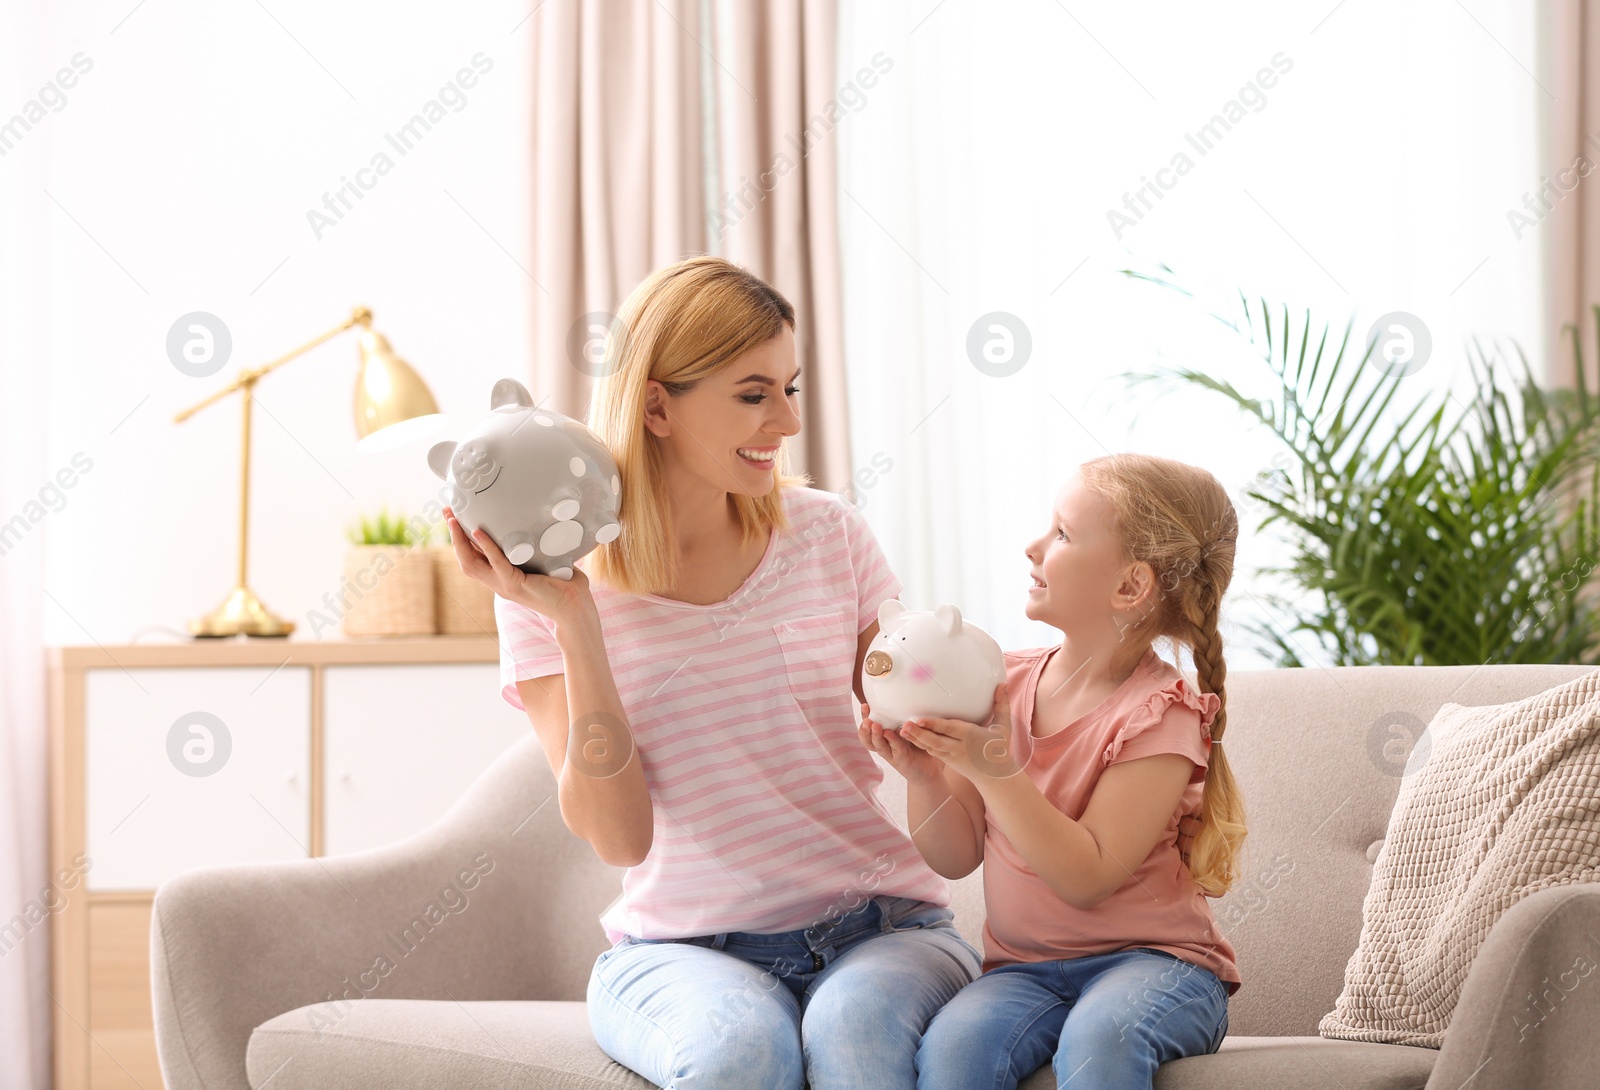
x,y
390,589
462,605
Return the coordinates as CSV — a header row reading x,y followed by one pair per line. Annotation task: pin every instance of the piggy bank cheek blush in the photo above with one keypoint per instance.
x,y
930,664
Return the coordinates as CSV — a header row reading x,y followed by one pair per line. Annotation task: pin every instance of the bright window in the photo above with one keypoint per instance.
x,y
1017,155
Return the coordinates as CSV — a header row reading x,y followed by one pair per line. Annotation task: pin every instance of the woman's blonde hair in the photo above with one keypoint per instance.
x,y
1178,519
683,323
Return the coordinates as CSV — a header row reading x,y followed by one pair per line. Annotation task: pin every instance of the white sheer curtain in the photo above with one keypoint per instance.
x,y
24,840
1367,163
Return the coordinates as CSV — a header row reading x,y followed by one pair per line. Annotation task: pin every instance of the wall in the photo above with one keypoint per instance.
x,y
182,164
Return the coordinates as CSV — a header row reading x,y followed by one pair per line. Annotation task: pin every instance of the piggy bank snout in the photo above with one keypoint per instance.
x,y
878,663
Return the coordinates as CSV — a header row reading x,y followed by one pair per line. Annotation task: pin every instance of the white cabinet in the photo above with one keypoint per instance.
x,y
402,743
165,757
188,767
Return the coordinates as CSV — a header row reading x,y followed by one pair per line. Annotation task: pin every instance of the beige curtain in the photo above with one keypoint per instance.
x,y
658,134
777,204
616,165
1572,59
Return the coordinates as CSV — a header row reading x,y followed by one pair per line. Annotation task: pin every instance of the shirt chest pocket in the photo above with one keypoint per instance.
x,y
819,659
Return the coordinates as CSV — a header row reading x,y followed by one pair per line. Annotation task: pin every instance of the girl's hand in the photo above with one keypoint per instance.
x,y
561,600
916,766
976,752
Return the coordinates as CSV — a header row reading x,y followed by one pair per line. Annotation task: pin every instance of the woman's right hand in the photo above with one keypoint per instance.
x,y
916,765
562,600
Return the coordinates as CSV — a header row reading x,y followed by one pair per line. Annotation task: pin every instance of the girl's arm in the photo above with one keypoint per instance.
x,y
944,812
1088,860
947,824
1083,861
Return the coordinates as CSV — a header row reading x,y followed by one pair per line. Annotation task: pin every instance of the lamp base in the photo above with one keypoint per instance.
x,y
240,613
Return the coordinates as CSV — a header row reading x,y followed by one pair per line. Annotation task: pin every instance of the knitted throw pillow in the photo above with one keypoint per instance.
x,y
1506,803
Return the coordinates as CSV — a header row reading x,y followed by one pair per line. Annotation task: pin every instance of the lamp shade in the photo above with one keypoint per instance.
x,y
393,404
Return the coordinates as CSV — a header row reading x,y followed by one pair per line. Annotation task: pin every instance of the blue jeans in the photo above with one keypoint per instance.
x,y
842,1003
1106,1021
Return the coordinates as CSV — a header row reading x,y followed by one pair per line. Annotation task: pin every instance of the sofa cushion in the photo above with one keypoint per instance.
x,y
1502,802
417,1044
1305,1063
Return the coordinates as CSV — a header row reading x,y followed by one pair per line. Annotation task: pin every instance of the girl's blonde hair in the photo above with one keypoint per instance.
x,y
683,323
1178,519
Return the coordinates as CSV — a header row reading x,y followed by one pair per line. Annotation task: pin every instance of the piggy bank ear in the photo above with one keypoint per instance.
x,y
508,391
439,458
889,611
949,618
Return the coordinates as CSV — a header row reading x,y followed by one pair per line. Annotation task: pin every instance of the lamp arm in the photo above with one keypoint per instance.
x,y
360,316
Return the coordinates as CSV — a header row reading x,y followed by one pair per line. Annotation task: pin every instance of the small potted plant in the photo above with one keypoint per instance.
x,y
388,578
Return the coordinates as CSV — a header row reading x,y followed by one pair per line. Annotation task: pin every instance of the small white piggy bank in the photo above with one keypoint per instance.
x,y
540,484
930,664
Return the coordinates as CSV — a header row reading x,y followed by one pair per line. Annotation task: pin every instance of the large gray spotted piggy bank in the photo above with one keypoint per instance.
x,y
930,664
540,484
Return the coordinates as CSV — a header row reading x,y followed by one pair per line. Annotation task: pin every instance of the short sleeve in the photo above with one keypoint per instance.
x,y
1174,719
875,580
528,648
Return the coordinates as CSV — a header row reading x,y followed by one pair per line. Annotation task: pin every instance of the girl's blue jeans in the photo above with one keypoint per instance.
x,y
841,1005
1105,1022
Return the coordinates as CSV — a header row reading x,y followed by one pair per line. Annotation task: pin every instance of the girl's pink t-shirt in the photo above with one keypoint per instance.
x,y
766,810
1155,710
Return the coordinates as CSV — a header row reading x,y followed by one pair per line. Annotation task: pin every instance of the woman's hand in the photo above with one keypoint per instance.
x,y
975,752
916,766
562,600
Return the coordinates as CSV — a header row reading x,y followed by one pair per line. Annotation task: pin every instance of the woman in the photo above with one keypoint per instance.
x,y
776,926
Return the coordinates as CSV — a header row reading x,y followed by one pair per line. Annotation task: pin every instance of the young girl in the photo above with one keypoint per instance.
x,y
1100,952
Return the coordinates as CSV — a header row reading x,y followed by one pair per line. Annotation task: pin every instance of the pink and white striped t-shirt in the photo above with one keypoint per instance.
x,y
766,810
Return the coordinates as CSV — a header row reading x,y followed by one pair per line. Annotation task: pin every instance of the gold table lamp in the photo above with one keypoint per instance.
x,y
392,406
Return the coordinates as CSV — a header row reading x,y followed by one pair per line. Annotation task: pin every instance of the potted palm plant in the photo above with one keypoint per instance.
x,y
1450,530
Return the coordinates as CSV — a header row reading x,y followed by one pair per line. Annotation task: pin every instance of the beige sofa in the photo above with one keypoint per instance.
x,y
464,950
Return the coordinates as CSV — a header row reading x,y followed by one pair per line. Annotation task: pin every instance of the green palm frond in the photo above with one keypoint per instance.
x,y
1424,529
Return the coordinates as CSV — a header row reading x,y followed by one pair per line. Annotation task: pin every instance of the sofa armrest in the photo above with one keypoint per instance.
x,y
495,900
1531,1000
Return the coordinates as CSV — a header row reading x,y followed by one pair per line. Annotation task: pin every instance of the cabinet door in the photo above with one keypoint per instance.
x,y
402,743
192,766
